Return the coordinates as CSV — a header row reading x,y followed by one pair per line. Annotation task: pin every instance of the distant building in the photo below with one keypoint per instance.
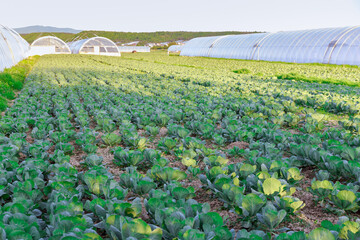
x,y
165,44
131,43
150,44
134,48
180,42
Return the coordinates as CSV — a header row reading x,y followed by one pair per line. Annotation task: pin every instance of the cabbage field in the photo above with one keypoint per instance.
x,y
150,146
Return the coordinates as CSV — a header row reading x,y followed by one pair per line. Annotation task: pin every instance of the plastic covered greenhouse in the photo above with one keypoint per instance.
x,y
13,48
96,46
175,48
49,45
329,45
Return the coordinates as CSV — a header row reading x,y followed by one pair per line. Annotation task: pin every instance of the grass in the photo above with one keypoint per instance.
x,y
300,77
12,79
289,63
3,104
242,71
303,78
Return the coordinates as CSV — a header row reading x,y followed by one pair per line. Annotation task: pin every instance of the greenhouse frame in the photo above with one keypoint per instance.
x,y
329,46
49,45
13,48
95,46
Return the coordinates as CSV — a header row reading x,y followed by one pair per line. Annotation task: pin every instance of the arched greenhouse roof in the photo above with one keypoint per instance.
x,y
96,46
329,45
13,48
49,45
175,48
198,47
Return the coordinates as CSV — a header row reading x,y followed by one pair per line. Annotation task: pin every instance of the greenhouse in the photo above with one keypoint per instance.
x,y
13,48
96,46
49,45
330,45
175,48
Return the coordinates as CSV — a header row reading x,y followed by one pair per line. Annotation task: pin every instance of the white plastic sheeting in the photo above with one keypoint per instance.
x,y
49,45
175,48
329,45
13,48
198,47
95,46
235,47
134,49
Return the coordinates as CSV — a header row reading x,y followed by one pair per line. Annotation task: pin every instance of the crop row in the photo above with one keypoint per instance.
x,y
66,113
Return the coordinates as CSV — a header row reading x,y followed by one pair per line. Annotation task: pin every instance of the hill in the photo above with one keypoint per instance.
x,y
124,37
47,29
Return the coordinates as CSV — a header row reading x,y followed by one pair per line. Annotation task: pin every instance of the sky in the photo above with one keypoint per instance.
x,y
182,15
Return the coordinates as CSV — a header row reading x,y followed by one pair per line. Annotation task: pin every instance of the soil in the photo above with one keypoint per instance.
x,y
29,139
108,162
241,145
77,157
312,214
206,196
333,124
163,132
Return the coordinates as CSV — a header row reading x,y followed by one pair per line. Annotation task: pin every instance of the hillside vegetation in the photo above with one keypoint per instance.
x,y
123,37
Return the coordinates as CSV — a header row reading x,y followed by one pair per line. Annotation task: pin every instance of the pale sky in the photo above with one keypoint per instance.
x,y
184,15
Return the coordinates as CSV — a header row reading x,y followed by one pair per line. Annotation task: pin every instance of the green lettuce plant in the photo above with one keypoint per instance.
x,y
101,185
270,218
345,200
128,157
93,160
165,174
111,139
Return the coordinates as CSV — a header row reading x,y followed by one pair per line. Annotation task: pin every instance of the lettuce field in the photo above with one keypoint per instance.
x,y
150,146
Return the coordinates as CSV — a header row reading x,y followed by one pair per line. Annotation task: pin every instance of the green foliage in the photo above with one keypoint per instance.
x,y
93,160
118,227
321,233
272,187
242,71
128,157
270,217
167,144
111,139
345,200
102,185
321,189
3,104
166,174
300,77
6,91
12,80
204,110
251,204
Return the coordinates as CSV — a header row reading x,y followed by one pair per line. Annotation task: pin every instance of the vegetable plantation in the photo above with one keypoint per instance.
x,y
167,147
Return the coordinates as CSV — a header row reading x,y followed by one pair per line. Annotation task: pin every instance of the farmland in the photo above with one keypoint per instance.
x,y
150,146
